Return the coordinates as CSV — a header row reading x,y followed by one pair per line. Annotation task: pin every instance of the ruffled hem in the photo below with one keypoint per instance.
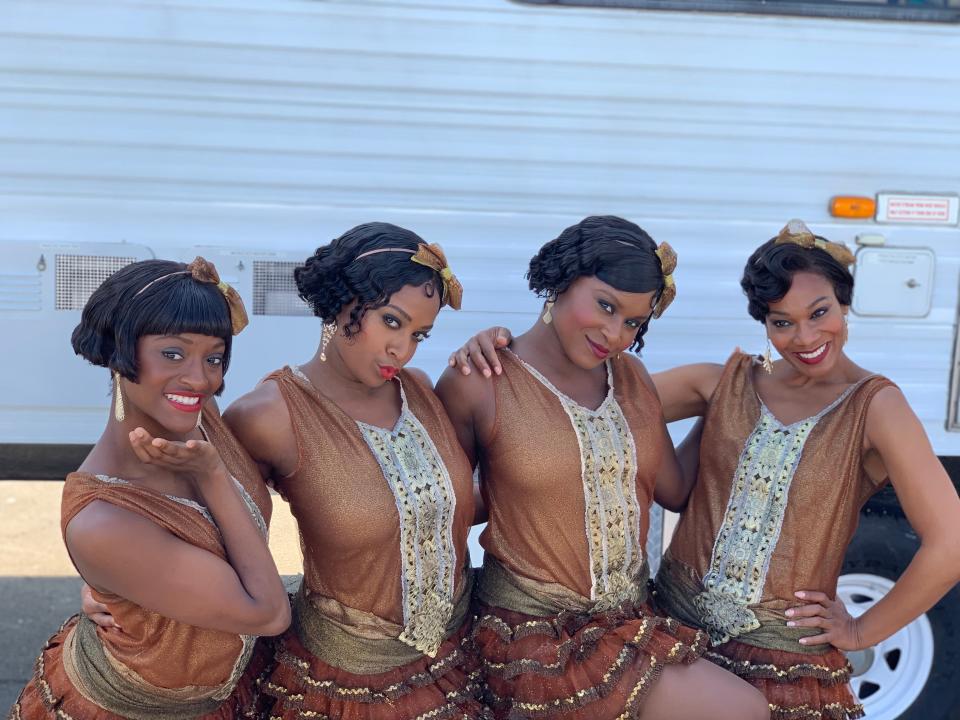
x,y
578,667
798,686
439,688
50,694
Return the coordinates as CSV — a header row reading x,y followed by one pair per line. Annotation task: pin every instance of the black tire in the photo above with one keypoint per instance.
x,y
883,545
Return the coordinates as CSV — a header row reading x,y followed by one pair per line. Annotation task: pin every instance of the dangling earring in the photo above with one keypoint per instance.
x,y
118,411
547,316
767,359
846,330
199,425
329,330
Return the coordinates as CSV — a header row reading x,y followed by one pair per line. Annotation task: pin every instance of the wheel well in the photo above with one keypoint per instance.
x,y
885,502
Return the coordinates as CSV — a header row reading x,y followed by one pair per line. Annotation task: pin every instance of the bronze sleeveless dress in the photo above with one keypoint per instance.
x,y
773,511
380,628
563,628
158,667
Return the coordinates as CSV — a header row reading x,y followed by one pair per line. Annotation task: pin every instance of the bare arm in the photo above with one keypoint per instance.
x,y
685,391
261,422
671,490
930,503
133,557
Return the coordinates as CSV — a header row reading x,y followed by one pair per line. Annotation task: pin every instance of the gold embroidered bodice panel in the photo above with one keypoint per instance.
x,y
608,468
426,503
756,523
426,507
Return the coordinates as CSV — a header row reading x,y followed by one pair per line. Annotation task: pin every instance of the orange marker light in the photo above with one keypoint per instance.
x,y
850,206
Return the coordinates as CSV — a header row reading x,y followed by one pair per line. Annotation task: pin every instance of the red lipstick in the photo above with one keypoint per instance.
x,y
599,350
388,372
812,358
183,401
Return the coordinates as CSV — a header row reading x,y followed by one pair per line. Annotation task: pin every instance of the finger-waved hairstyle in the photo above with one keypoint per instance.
x,y
118,314
769,272
615,250
333,276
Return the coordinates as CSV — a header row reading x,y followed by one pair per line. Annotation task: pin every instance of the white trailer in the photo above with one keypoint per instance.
x,y
250,131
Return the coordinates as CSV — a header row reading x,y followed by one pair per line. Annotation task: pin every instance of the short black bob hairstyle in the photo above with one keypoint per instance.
x,y
333,276
615,250
116,317
769,272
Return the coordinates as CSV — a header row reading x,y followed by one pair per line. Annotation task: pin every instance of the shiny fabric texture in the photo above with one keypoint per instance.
x,y
445,687
826,492
155,650
350,531
575,662
532,474
548,649
345,509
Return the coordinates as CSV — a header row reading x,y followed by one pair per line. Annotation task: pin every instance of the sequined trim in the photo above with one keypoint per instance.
x,y
752,523
608,466
789,673
426,503
833,711
290,700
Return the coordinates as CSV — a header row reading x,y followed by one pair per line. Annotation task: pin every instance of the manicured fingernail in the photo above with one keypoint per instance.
x,y
498,369
803,641
800,594
486,373
791,623
789,613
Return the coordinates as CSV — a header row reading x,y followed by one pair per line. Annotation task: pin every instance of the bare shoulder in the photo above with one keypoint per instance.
x,y
463,394
261,421
888,409
631,360
260,406
100,527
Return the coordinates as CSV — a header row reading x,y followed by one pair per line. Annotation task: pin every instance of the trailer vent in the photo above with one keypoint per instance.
x,y
21,292
79,275
274,290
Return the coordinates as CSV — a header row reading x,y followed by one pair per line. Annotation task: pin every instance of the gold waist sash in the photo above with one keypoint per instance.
x,y
680,595
498,586
106,682
360,642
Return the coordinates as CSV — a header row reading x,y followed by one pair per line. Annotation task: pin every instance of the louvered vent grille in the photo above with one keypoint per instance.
x,y
79,275
274,290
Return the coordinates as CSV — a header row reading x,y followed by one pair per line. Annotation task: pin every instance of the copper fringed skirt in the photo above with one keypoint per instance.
x,y
51,694
548,656
432,688
798,686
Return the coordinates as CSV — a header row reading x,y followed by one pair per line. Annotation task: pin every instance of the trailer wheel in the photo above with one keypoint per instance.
x,y
915,673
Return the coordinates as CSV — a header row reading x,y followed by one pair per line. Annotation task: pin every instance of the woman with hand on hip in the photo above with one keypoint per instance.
x,y
791,450
363,451
572,450
166,519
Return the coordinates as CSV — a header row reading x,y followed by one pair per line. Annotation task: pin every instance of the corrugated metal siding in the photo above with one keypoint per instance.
x,y
273,125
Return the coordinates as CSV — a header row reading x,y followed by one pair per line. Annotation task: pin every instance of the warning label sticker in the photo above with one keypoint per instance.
x,y
924,209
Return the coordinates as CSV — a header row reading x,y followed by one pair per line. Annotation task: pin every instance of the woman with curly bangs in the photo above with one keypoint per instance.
x,y
791,451
166,518
572,450
363,451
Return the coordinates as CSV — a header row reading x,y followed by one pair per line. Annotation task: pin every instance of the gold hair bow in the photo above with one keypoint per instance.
x,y
798,233
668,263
203,270
432,257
